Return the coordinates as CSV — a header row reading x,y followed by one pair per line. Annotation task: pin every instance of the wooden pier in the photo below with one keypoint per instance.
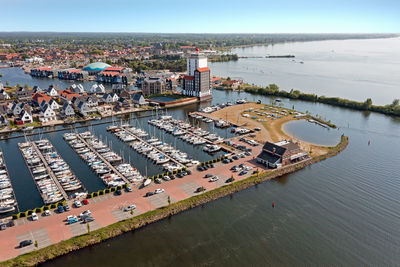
x,y
109,165
156,149
50,171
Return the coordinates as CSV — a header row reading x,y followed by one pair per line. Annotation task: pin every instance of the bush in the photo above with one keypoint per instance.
x,y
95,194
100,193
53,206
38,210
29,212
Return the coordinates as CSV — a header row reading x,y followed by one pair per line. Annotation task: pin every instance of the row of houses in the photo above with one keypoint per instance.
x,y
52,104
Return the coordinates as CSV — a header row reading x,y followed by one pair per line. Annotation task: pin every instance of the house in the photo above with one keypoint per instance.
x,y
138,99
17,108
110,97
151,86
83,108
3,94
47,114
24,117
92,101
3,121
67,110
52,91
67,95
77,89
123,103
54,105
4,108
274,155
23,93
37,89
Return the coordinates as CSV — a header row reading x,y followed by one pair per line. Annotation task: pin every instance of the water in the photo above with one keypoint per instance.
x,y
352,69
341,211
312,133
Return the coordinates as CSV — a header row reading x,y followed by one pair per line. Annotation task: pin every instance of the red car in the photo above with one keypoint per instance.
x,y
85,202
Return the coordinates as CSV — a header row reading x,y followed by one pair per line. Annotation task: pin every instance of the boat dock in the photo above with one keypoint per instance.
x,y
48,189
109,165
8,201
155,148
215,119
50,171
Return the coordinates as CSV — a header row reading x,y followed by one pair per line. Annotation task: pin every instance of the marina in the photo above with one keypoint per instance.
x,y
108,165
47,185
8,202
159,152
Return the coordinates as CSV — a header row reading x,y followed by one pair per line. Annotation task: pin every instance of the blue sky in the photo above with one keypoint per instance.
x,y
202,16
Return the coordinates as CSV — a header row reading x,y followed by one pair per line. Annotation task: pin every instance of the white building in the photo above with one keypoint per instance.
x,y
194,62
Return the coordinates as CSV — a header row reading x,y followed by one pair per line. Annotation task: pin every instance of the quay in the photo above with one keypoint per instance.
x,y
155,148
109,165
49,170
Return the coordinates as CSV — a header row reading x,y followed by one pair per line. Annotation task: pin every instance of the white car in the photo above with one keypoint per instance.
x,y
35,217
85,213
214,179
130,207
69,217
166,178
159,190
47,213
77,204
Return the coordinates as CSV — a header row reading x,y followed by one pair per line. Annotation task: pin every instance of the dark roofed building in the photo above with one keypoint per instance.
x,y
280,154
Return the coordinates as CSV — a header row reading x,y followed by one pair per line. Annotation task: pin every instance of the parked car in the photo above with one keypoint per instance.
x,y
229,180
172,177
158,181
35,217
3,226
129,189
85,202
211,165
85,213
189,172
166,178
60,209
77,204
208,175
148,194
66,208
47,213
118,192
88,219
73,220
130,207
179,175
243,172
25,243
200,189
247,153
159,190
214,179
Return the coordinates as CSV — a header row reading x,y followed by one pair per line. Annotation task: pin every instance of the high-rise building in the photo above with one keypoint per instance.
x,y
197,81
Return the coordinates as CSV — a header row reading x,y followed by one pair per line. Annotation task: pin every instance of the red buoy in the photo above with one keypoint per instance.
x,y
273,204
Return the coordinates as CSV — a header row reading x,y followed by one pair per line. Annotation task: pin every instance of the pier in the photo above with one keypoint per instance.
x,y
109,165
156,149
4,206
49,171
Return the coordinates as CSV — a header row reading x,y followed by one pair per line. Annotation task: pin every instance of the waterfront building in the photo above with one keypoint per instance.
x,y
153,85
110,97
67,95
23,93
38,98
197,81
3,121
274,155
47,114
67,110
3,94
52,91
72,74
24,117
138,99
77,88
96,67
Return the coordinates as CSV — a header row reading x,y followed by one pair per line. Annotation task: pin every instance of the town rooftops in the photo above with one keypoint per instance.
x,y
269,157
203,69
40,97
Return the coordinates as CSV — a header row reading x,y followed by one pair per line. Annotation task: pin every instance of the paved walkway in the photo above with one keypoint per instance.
x,y
108,209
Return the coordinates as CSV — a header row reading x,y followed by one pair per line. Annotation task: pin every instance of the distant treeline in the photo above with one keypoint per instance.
x,y
138,65
223,58
273,90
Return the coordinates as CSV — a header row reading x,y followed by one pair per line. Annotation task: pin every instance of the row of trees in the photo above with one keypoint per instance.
x,y
367,105
140,65
223,58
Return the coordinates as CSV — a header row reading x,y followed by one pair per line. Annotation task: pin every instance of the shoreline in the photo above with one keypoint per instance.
x,y
121,227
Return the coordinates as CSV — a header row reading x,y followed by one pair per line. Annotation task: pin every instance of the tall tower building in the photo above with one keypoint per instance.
x,y
197,81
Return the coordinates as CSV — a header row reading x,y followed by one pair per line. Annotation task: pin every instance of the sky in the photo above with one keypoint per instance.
x,y
202,16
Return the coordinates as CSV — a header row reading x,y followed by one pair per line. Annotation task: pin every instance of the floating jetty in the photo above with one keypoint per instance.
x,y
105,163
154,149
47,185
57,167
8,202
188,133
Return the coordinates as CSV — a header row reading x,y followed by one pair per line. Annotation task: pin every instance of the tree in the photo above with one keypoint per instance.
x,y
1,75
368,103
88,228
36,244
7,83
395,103
18,85
169,200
